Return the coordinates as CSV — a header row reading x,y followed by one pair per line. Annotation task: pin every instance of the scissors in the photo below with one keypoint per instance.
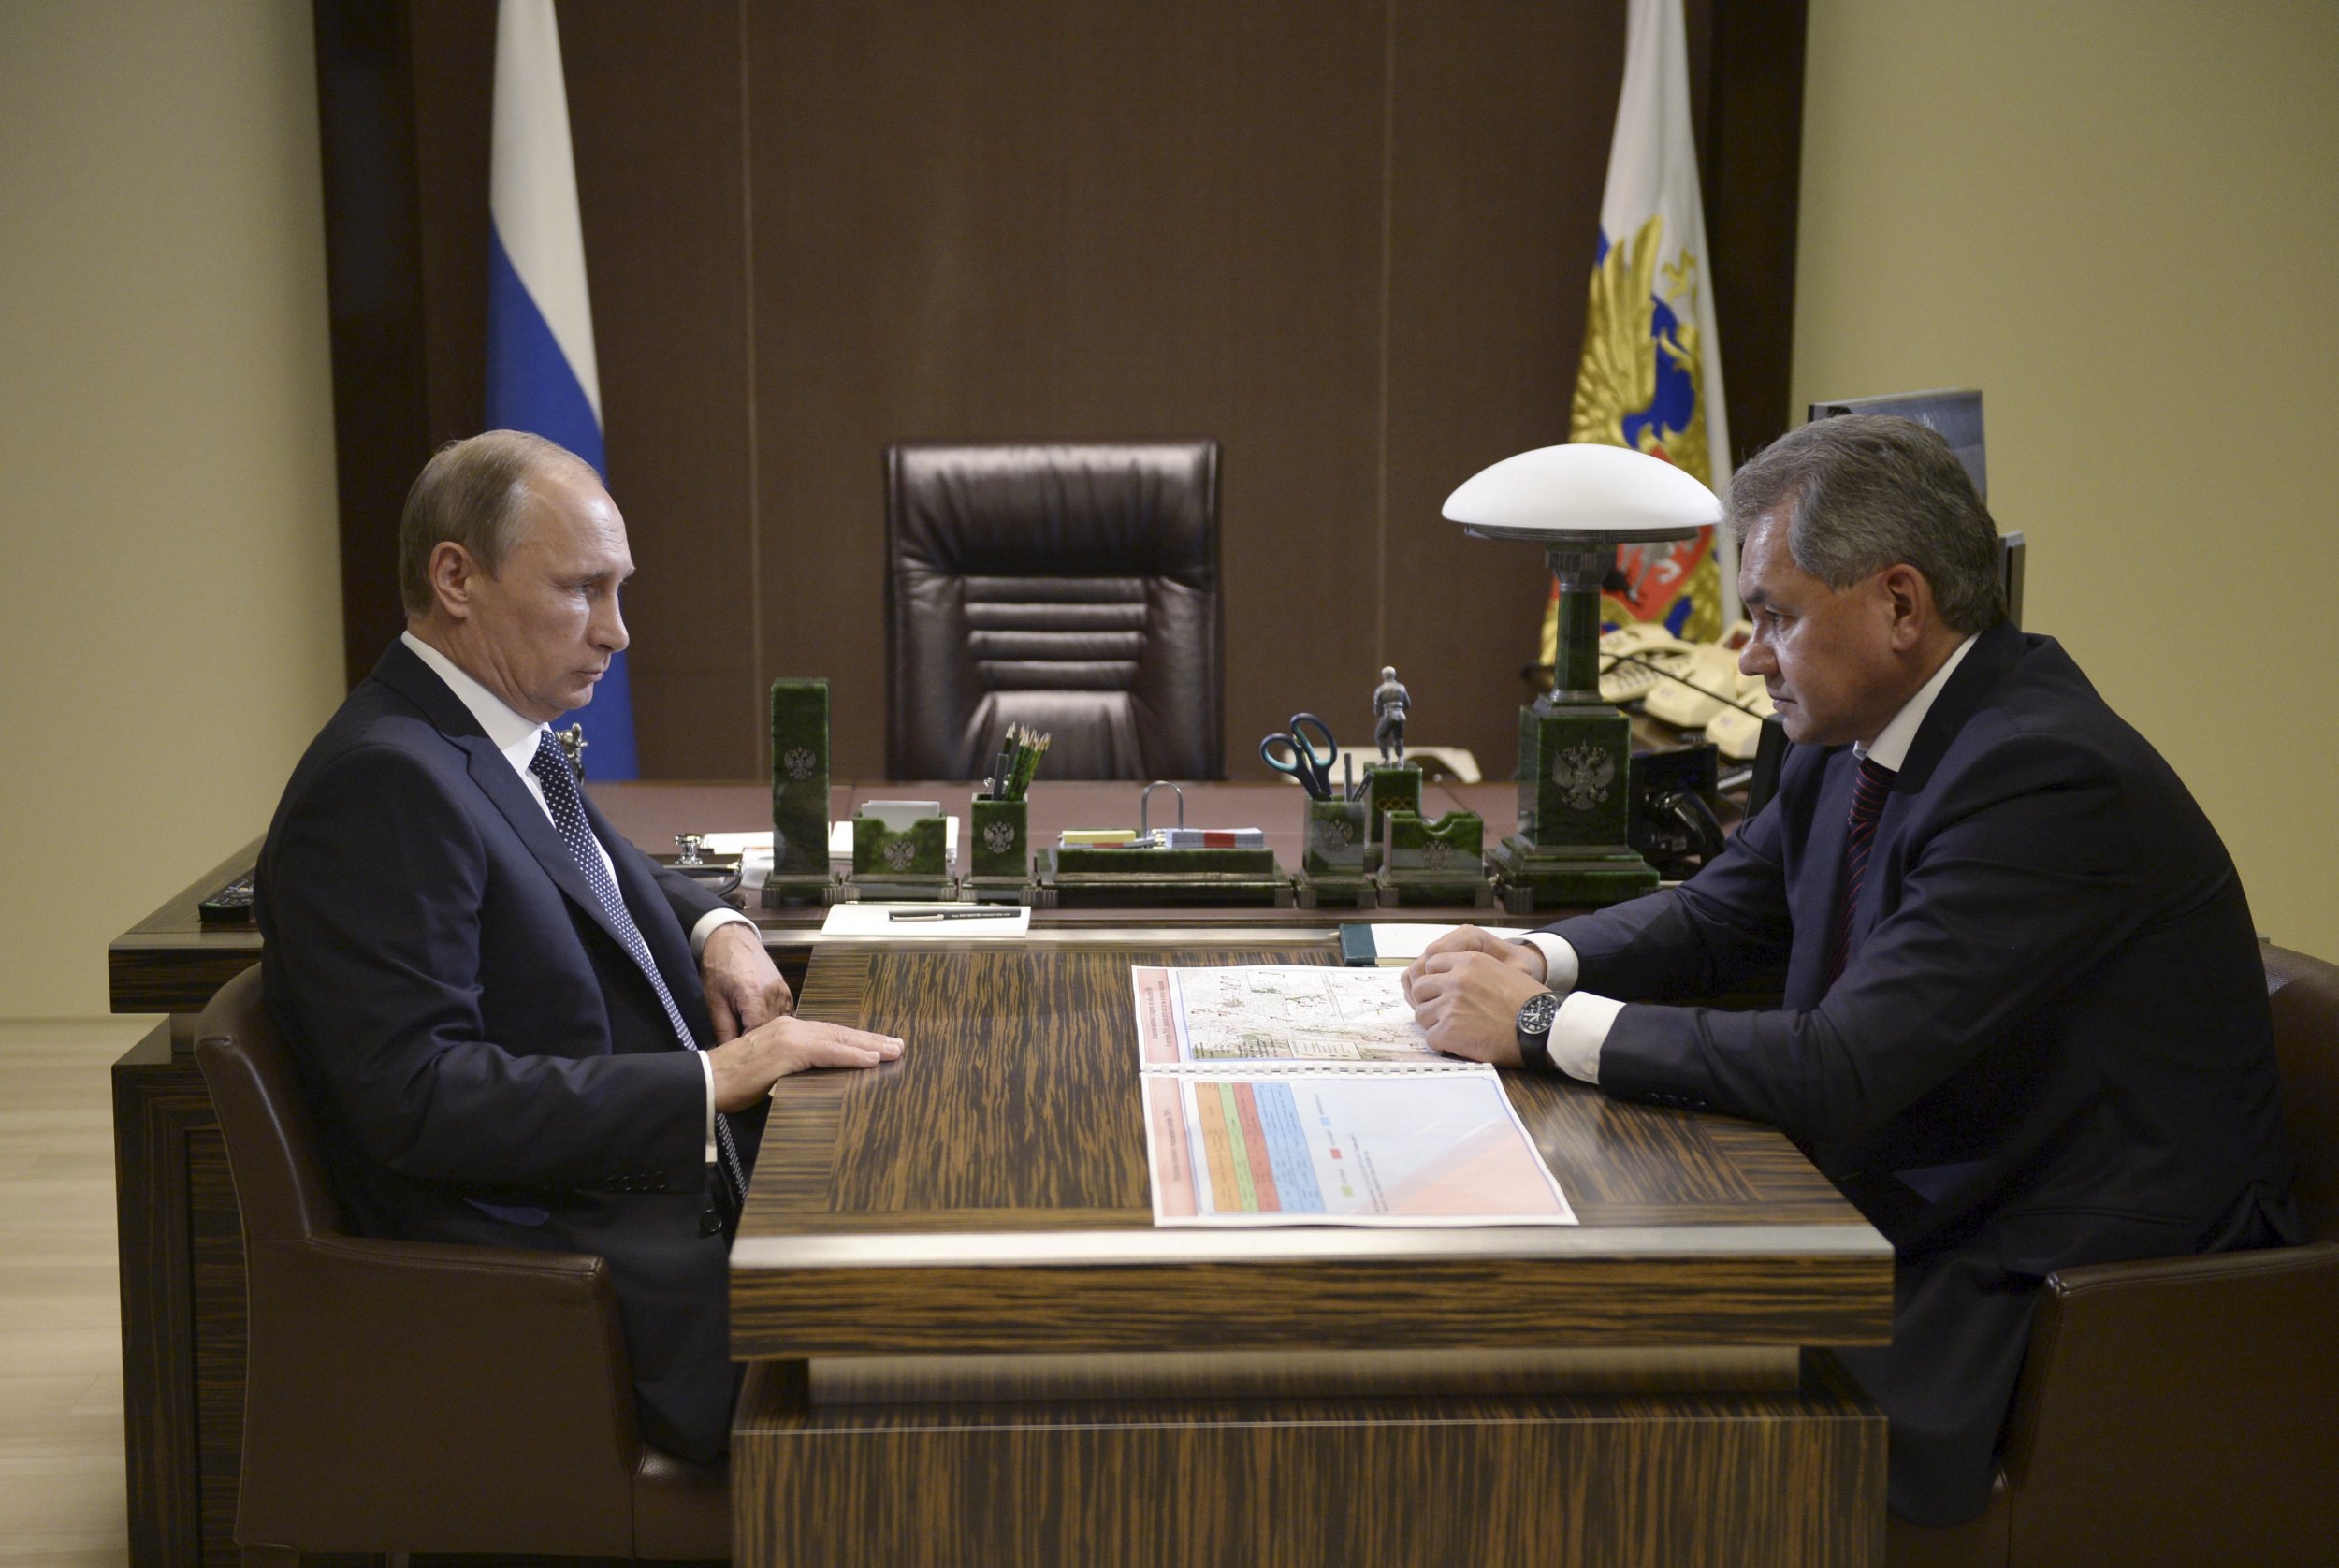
x,y
1293,752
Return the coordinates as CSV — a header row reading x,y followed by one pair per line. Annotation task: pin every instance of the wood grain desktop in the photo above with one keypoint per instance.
x,y
984,1202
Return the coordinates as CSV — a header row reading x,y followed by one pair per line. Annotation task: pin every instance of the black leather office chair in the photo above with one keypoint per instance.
x,y
418,1397
2179,1411
1071,589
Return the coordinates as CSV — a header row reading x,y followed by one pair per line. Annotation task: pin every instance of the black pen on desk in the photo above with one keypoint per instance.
x,y
950,914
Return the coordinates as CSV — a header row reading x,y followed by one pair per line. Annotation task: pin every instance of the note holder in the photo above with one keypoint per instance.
x,y
897,856
1434,863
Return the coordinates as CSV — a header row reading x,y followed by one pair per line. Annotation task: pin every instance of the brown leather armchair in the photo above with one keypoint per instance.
x,y
1073,590
2185,1411
416,1396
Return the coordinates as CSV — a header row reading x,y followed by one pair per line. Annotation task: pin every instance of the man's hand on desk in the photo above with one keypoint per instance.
x,y
1466,990
747,1067
744,987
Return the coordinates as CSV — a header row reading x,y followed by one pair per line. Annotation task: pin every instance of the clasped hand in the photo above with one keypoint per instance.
x,y
1466,990
758,1038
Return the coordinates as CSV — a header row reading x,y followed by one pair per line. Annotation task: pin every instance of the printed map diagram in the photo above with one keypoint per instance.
x,y
1299,1013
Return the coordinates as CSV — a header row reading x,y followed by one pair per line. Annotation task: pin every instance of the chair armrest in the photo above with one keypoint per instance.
x,y
479,1388
2152,1385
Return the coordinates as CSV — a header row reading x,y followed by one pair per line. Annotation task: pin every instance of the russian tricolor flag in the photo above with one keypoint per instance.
x,y
542,375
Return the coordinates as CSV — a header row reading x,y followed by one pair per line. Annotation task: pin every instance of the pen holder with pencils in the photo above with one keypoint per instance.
x,y
1332,857
998,851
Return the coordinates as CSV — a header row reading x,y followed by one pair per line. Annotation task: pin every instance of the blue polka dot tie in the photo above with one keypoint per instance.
x,y
552,770
1869,789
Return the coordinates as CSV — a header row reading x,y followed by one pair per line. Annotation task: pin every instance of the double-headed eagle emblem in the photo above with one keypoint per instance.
x,y
1583,773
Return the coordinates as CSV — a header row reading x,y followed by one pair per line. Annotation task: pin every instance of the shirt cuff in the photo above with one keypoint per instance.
x,y
710,922
1578,1030
1560,964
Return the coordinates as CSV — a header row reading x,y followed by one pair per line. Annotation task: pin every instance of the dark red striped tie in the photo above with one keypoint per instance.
x,y
1869,789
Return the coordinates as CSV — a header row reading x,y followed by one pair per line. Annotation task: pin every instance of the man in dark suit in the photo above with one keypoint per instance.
x,y
2024,1023
516,1029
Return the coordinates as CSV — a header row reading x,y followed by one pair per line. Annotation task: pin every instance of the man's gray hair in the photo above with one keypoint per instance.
x,y
1861,492
474,493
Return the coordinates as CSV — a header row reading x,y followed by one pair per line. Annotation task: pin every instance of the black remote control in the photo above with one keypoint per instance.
x,y
230,905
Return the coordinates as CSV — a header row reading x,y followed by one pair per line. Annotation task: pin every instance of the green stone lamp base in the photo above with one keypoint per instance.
x,y
1574,808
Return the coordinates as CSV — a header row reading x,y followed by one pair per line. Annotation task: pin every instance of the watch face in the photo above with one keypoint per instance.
x,y
1535,1017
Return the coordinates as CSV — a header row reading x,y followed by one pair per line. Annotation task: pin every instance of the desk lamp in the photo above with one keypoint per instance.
x,y
1579,501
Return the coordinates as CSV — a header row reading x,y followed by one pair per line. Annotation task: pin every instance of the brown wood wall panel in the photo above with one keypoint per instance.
x,y
660,185
1501,146
1070,220
1348,238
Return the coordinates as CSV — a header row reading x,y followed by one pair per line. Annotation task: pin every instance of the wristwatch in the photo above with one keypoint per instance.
x,y
1534,1031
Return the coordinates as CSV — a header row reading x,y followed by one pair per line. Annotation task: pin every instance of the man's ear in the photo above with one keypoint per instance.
x,y
1909,597
452,572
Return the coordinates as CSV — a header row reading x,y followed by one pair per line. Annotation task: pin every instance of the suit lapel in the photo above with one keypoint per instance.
x,y
651,912
490,769
1819,890
1994,653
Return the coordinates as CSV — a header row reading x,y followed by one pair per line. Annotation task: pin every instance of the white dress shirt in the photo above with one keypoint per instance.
x,y
517,737
1581,1026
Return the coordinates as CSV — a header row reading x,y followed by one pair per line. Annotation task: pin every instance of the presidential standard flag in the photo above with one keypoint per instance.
x,y
1651,371
542,377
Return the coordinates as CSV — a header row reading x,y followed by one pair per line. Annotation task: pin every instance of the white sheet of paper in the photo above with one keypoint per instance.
x,y
965,920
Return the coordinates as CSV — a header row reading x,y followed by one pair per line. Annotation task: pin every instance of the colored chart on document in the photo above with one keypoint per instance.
x,y
1282,1095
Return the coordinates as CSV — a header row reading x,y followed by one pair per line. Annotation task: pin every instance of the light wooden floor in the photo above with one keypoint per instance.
x,y
61,1474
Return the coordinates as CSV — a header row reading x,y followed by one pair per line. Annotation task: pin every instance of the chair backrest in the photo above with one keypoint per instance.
x,y
1073,590
264,1118
2303,993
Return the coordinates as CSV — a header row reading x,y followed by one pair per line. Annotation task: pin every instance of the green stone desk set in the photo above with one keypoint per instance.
x,y
1579,501
1139,874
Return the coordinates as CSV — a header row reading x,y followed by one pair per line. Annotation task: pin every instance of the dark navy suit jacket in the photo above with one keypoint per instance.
x,y
487,1062
2050,1045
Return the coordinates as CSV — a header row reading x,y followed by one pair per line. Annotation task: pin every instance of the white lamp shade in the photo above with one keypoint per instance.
x,y
1583,489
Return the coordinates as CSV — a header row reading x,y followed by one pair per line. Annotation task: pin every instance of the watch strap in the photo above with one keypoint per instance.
x,y
1534,1046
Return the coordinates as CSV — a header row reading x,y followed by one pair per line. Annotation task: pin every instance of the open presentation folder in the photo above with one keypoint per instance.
x,y
1301,1095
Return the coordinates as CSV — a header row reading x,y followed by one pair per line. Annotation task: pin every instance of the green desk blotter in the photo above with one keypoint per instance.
x,y
1434,863
1084,875
914,864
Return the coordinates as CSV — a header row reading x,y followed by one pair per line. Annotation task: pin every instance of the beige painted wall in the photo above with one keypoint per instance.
x,y
2115,218
169,611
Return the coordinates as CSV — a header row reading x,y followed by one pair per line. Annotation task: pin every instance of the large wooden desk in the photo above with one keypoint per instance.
x,y
181,1245
971,1345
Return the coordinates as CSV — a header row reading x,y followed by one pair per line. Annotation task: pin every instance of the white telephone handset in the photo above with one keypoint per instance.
x,y
1623,679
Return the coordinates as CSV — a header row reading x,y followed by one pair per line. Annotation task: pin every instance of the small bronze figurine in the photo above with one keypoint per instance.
x,y
1389,716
